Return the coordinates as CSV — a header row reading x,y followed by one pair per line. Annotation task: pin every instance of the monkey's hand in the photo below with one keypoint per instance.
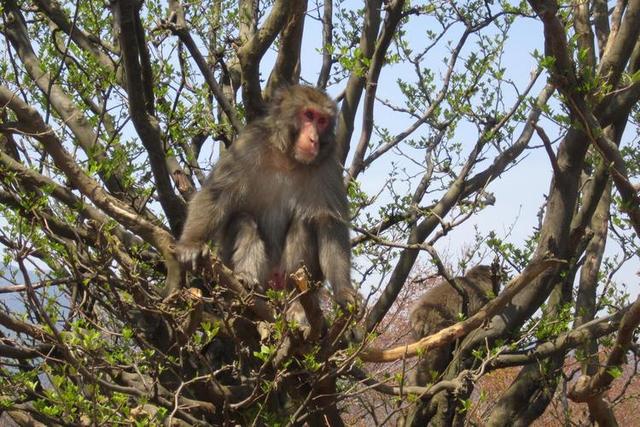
x,y
349,300
352,303
190,254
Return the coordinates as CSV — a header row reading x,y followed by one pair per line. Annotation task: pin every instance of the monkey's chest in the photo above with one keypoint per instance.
x,y
275,213
274,221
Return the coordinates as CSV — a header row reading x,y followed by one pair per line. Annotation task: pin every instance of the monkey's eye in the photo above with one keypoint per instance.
x,y
309,114
322,121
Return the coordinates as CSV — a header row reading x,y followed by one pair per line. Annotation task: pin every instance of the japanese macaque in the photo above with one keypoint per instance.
x,y
439,308
276,201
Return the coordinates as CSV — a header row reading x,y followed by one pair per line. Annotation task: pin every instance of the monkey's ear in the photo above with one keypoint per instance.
x,y
280,93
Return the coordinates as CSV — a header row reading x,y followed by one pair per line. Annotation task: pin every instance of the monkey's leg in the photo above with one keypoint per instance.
x,y
300,251
431,365
420,413
334,256
325,401
244,251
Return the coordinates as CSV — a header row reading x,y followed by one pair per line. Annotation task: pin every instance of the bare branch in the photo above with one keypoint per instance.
x,y
181,30
547,146
84,40
355,84
141,110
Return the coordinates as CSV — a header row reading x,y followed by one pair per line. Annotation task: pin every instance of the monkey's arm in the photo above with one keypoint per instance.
x,y
334,252
205,215
209,211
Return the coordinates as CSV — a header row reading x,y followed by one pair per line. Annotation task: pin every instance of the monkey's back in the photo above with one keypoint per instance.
x,y
441,305
439,308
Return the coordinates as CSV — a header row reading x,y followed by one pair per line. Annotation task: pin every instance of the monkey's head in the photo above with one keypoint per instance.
x,y
492,274
304,119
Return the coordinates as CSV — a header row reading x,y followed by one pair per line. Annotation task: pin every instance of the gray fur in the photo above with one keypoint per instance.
x,y
271,212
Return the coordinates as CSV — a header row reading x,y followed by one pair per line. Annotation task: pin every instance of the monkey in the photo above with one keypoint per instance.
x,y
439,308
275,200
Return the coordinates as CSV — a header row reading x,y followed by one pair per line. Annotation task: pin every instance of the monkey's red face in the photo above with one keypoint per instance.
x,y
313,125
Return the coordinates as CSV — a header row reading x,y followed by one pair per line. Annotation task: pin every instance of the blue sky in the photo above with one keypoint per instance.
x,y
520,192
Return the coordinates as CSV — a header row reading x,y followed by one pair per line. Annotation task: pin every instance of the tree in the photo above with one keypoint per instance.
x,y
112,113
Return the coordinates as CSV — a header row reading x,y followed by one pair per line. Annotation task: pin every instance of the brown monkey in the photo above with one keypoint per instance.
x,y
276,199
439,307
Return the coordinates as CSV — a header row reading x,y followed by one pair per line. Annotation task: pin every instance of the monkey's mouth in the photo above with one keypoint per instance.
x,y
306,156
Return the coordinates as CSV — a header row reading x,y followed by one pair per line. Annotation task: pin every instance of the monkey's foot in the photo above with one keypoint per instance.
x,y
190,254
350,301
297,314
355,334
249,282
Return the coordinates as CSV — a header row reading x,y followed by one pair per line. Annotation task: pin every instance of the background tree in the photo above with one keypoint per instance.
x,y
112,114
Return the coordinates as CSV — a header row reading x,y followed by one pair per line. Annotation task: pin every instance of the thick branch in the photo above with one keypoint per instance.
x,y
287,67
589,386
32,178
610,152
564,76
620,45
584,33
588,332
72,116
327,42
389,28
251,52
35,126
